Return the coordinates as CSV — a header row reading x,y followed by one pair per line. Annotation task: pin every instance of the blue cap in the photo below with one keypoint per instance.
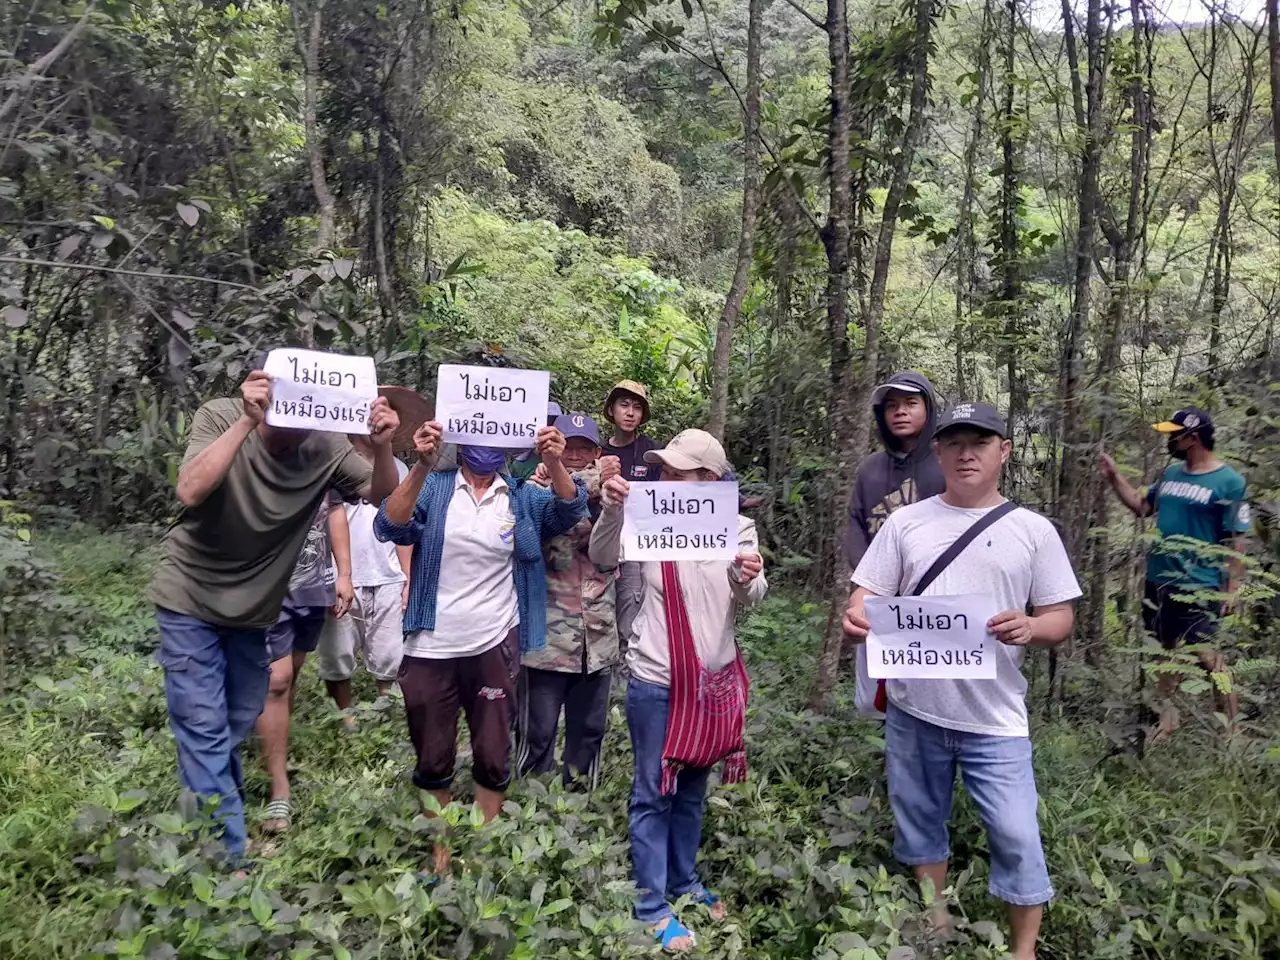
x,y
578,425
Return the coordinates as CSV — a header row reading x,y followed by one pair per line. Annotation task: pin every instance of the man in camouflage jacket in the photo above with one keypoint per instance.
x,y
574,670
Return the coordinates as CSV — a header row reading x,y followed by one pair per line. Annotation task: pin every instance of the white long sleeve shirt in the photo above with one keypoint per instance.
x,y
712,595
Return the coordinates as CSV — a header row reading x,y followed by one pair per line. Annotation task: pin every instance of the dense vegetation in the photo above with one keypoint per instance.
x,y
756,208
1173,858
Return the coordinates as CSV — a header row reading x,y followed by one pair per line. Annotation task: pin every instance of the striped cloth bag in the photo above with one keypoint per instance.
x,y
707,713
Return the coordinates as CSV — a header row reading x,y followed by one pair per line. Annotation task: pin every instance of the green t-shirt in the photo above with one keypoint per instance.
x,y
229,560
1193,509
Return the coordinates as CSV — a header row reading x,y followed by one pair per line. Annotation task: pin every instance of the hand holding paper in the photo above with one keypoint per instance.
x,y
255,393
1012,627
383,422
935,637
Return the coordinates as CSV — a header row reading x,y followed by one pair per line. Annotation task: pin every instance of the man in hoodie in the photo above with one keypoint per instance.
x,y
906,471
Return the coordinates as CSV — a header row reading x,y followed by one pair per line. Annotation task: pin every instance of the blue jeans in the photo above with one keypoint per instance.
x,y
215,680
921,760
665,831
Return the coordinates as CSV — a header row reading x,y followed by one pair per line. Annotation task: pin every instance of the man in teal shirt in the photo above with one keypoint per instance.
x,y
1199,504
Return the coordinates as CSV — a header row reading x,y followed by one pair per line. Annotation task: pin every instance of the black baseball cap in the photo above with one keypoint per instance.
x,y
973,416
1187,420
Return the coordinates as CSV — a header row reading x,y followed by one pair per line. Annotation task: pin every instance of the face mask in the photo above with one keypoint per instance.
x,y
483,461
1174,450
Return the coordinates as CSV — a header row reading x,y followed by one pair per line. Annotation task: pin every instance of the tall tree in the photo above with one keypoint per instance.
x,y
836,238
853,442
746,237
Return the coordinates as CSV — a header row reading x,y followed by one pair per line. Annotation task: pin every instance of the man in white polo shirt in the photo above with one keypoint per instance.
x,y
934,726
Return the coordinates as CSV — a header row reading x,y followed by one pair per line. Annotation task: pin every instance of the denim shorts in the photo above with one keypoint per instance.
x,y
921,760
297,628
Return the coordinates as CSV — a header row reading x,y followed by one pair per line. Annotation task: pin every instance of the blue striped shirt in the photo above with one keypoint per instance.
x,y
539,514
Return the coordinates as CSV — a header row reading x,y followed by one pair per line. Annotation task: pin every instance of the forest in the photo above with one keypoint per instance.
x,y
758,209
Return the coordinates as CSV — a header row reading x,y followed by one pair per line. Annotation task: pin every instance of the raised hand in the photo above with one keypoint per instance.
x,y
1107,467
255,394
610,467
549,444
615,490
427,441
383,422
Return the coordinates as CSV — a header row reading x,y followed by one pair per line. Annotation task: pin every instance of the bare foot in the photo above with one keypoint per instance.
x,y
441,858
941,923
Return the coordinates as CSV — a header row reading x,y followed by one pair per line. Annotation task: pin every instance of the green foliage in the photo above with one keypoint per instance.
x,y
1174,858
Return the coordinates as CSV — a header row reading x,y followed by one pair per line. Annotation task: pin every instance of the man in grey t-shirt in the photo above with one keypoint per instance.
x,y
932,726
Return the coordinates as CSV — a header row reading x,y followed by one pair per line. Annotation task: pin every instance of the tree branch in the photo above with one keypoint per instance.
x,y
56,265
38,68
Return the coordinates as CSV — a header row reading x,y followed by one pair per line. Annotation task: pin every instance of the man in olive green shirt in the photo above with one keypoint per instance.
x,y
249,492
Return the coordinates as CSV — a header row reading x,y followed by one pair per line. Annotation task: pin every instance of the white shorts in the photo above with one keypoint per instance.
x,y
373,626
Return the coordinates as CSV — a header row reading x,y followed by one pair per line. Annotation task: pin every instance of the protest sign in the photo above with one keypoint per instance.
x,y
920,638
681,521
492,406
311,390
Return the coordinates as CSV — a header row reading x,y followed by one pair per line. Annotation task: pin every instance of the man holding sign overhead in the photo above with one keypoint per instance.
x,y
939,715
250,489
686,701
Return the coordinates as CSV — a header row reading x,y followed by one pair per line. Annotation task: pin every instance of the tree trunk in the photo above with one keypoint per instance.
x,y
746,239
835,241
386,292
309,47
966,240
1273,49
1125,242
1009,259
852,442
1072,469
889,224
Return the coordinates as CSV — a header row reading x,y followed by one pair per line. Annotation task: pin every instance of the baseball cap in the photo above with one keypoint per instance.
x,y
971,415
1188,418
578,425
882,391
631,387
692,450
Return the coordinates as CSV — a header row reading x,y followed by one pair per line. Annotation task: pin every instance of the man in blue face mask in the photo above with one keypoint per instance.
x,y
477,600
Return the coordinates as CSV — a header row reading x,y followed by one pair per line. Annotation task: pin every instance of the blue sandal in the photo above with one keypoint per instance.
x,y
673,929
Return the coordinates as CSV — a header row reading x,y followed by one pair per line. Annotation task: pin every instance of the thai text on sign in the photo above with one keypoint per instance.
x,y
919,638
677,520
492,406
312,390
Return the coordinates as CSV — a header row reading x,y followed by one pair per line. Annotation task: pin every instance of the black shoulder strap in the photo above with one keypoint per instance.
x,y
962,541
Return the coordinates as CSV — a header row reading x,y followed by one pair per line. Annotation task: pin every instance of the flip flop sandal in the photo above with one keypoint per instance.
x,y
673,929
278,810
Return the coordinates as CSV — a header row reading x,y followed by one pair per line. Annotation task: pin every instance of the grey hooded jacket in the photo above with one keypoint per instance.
x,y
892,477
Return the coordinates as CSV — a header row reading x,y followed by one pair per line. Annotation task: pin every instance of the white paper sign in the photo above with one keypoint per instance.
x,y
492,406
311,390
668,520
920,638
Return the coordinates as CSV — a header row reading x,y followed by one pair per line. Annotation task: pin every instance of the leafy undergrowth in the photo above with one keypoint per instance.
x,y
1175,857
